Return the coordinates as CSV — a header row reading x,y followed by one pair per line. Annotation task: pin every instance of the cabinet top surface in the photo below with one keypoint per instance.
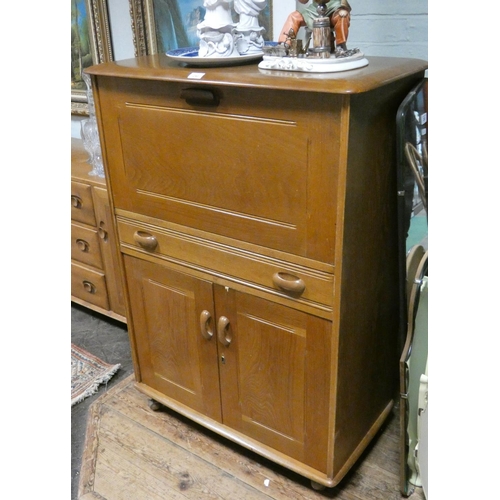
x,y
380,71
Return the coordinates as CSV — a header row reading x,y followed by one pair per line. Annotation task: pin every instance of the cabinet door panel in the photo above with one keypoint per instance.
x,y
174,357
274,385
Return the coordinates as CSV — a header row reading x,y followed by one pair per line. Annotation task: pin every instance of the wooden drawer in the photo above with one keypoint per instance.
x,y
261,167
252,269
82,207
89,285
85,245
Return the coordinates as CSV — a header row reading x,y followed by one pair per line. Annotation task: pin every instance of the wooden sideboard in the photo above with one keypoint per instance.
x,y
257,226
95,272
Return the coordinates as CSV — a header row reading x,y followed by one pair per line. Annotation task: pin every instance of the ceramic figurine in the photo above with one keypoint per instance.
x,y
248,32
216,30
328,53
338,11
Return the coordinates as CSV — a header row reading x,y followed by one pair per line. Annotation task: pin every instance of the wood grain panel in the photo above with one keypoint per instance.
x,y
263,396
211,179
248,267
89,284
368,295
261,167
173,355
85,245
109,250
272,392
82,207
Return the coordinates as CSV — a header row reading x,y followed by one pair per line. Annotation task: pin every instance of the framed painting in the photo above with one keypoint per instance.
x,y
90,44
162,25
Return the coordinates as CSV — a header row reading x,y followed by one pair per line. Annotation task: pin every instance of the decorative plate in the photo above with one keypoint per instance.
x,y
189,55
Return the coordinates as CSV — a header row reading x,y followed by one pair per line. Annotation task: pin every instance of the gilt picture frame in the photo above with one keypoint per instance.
x,y
90,44
162,25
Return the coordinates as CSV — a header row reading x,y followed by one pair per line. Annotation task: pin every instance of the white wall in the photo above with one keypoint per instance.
x,y
396,28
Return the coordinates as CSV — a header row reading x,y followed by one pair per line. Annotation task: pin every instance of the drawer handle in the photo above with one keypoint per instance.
x,y
103,234
145,240
289,282
200,97
222,328
206,330
88,286
83,245
76,201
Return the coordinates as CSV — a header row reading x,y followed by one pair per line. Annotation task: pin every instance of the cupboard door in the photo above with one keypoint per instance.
x,y
172,319
275,374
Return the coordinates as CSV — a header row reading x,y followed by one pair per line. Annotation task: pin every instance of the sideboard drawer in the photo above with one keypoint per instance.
x,y
89,285
82,207
266,273
85,245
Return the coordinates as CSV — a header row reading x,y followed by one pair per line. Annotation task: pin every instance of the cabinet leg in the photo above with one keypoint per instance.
x,y
154,405
317,486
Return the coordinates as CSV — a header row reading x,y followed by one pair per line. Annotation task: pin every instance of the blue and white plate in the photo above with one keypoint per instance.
x,y
189,55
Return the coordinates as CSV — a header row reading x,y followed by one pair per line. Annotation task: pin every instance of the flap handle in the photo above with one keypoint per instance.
x,y
200,97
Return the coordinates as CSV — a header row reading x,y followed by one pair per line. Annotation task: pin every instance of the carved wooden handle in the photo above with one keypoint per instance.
x,y
83,245
103,234
76,201
289,283
145,240
222,327
206,330
88,286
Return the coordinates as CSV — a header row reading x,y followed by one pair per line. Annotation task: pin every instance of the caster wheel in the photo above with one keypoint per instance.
x,y
154,405
317,486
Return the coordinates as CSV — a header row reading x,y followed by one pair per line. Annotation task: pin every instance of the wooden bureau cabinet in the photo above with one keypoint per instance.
x,y
256,218
95,272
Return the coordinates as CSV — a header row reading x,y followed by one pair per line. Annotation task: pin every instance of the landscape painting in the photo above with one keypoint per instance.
x,y
90,44
81,56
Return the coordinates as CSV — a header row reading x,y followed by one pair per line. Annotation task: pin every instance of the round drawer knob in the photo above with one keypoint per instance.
x,y
145,240
289,282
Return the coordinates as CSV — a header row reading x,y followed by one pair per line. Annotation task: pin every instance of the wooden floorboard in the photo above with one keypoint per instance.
x,y
134,453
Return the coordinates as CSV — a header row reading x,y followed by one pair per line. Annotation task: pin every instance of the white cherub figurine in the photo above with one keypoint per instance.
x,y
248,34
216,30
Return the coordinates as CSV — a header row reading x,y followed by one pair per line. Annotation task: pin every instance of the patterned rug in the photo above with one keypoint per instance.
x,y
87,373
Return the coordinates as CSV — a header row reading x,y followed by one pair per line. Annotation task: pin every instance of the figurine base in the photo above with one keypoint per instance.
x,y
314,65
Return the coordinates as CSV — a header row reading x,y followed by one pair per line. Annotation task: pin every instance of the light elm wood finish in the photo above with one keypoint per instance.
x,y
256,215
132,452
95,272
